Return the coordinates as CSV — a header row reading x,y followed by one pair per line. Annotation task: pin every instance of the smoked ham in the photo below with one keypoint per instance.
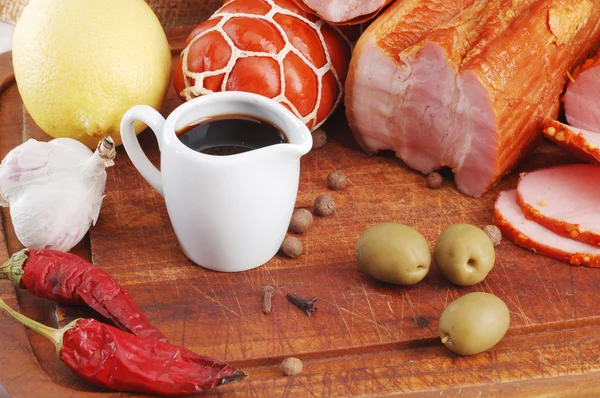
x,y
511,221
465,83
563,199
268,47
344,11
583,96
582,143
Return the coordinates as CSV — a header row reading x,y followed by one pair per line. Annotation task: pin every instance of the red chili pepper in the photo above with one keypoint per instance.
x,y
111,358
69,279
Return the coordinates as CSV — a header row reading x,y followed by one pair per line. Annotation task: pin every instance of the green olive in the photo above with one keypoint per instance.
x,y
393,253
474,323
464,254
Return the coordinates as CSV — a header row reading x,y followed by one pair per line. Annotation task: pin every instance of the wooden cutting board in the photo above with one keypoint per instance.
x,y
366,338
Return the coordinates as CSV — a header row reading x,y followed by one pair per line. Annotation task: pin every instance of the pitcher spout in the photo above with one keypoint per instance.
x,y
299,140
304,147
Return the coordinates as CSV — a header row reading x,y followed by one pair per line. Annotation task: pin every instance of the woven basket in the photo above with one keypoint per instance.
x,y
171,13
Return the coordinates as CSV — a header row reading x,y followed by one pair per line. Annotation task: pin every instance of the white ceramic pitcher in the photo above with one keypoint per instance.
x,y
230,213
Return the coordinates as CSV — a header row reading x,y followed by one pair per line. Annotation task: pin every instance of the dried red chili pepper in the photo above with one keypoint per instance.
x,y
111,358
69,279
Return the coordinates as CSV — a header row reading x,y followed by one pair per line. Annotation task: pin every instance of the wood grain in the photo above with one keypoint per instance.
x,y
170,13
366,338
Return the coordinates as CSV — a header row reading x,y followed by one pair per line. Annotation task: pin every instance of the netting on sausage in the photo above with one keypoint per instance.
x,y
195,81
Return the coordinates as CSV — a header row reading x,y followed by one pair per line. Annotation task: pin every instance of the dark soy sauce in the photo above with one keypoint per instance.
x,y
230,134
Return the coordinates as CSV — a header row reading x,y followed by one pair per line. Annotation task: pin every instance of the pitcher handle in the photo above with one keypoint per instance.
x,y
155,121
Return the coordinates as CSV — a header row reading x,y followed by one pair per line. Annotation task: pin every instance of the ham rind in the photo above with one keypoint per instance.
x,y
583,96
511,221
564,199
581,143
469,94
344,11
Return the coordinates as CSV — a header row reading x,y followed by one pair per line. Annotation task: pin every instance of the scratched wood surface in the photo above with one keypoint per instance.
x,y
366,338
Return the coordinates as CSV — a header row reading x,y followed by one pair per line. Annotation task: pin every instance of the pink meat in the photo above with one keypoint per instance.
x,y
345,11
564,199
531,235
583,96
582,143
411,77
457,83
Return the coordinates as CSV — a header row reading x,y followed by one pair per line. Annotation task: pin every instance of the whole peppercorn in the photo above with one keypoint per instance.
x,y
336,180
319,137
324,205
301,221
291,366
434,180
292,247
494,233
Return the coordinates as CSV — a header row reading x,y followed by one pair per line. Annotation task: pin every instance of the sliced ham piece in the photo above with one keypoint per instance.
x,y
583,96
582,143
564,199
531,235
345,11
465,84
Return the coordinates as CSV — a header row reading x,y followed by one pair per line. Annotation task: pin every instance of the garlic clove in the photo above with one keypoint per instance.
x,y
48,220
54,190
69,146
29,164
33,155
96,210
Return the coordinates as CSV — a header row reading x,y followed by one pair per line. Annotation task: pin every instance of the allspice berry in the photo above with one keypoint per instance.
x,y
336,180
291,366
324,205
292,247
434,180
319,137
301,221
494,233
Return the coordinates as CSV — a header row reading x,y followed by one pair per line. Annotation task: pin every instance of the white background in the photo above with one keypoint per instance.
x,y
6,32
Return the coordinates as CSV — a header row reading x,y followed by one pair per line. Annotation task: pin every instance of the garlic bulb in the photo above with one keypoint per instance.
x,y
54,190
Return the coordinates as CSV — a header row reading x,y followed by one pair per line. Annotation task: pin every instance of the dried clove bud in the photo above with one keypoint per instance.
x,y
307,306
267,299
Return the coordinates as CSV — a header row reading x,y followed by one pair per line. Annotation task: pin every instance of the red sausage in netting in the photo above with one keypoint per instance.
x,y
267,47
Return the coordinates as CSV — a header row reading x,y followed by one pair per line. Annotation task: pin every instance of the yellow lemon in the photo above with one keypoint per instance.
x,y
80,65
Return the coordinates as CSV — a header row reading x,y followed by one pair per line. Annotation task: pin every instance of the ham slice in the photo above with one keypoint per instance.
x,y
531,235
582,143
458,83
583,95
563,199
344,11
